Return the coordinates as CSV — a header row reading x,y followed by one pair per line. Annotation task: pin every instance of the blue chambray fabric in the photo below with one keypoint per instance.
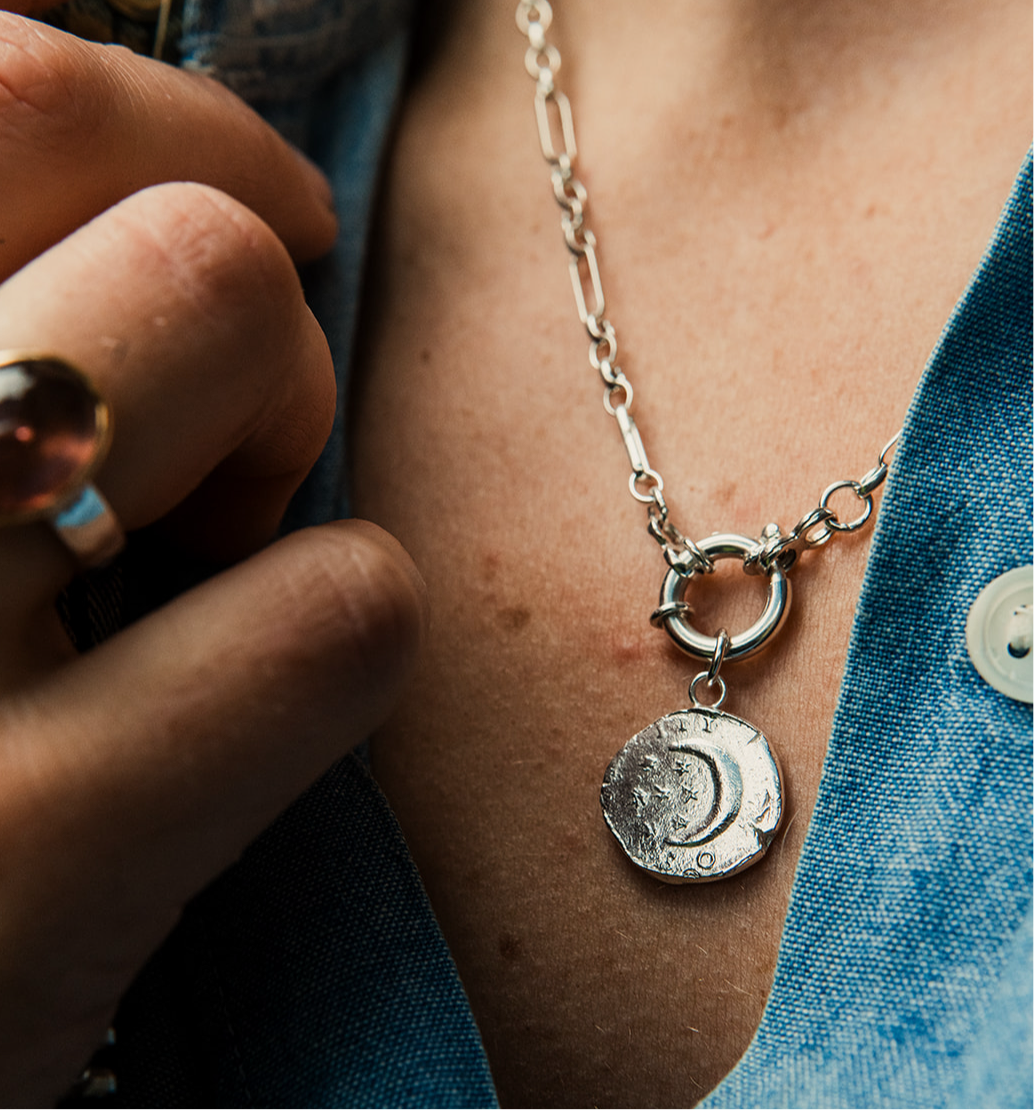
x,y
904,971
281,54
313,973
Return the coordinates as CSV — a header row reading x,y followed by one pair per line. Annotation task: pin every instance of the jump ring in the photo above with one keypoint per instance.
x,y
620,384
718,682
721,646
834,523
647,475
671,609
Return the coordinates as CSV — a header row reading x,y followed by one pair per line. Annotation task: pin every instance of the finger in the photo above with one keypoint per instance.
x,y
231,700
83,125
208,356
27,7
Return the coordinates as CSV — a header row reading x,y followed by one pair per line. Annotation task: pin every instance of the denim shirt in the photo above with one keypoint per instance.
x,y
313,973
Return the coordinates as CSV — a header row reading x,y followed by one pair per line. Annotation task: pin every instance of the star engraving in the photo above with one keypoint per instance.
x,y
684,769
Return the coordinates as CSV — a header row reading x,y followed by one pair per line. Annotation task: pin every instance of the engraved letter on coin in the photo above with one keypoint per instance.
x,y
693,797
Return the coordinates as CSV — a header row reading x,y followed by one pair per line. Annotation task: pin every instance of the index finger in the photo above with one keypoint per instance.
x,y
82,126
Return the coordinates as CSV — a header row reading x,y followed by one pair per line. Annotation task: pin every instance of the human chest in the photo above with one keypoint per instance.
x,y
775,337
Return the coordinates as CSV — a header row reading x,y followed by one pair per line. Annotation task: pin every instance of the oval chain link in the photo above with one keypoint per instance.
x,y
555,122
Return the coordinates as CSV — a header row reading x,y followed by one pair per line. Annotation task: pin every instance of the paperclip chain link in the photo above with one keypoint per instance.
x,y
555,122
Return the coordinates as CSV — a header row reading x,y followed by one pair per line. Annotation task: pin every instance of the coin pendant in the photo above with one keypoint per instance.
x,y
696,796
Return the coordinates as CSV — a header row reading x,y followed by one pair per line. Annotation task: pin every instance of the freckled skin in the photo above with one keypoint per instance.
x,y
775,338
514,618
627,650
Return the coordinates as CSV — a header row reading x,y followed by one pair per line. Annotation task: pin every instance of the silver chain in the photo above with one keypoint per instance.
x,y
556,138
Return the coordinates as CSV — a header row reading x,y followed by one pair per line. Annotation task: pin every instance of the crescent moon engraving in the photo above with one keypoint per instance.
x,y
693,797
728,791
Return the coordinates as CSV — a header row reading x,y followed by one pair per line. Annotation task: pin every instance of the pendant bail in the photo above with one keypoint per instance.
x,y
711,675
718,658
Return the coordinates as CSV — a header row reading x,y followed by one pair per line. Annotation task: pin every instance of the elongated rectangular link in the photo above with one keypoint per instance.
x,y
588,252
542,61
633,443
549,151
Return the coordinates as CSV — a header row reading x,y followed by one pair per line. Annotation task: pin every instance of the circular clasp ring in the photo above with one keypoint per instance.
x,y
723,545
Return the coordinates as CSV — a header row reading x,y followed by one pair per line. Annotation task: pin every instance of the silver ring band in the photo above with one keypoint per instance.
x,y
90,528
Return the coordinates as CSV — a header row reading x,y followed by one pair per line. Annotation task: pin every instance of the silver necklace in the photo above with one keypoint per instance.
x,y
697,795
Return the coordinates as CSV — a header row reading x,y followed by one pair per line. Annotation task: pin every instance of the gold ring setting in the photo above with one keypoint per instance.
x,y
55,430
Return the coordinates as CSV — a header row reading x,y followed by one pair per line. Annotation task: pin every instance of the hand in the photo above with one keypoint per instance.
x,y
131,775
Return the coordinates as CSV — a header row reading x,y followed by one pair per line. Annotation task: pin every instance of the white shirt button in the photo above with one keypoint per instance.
x,y
999,633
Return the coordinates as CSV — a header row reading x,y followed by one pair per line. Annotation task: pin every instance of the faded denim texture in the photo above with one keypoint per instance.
x,y
905,968
313,972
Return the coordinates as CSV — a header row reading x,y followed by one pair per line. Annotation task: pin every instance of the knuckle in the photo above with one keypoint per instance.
x,y
223,268
300,418
359,597
217,256
51,92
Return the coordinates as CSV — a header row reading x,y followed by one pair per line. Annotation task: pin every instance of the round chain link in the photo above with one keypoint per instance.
x,y
774,550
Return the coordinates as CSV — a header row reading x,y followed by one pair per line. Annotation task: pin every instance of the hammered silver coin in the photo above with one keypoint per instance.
x,y
695,796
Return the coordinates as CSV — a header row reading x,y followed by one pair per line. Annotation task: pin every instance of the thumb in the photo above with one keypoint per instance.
x,y
136,773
